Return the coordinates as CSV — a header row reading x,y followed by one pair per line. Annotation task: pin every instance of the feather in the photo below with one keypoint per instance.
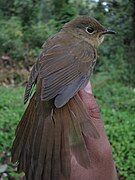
x,y
77,142
56,161
86,123
63,97
48,160
65,147
22,131
61,64
46,134
31,82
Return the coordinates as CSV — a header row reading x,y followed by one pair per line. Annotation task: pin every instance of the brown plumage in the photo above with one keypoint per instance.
x,y
56,119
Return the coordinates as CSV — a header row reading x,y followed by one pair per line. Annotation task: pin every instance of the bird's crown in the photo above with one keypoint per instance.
x,y
88,29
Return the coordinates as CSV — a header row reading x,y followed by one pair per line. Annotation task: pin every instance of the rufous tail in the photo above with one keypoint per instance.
x,y
46,136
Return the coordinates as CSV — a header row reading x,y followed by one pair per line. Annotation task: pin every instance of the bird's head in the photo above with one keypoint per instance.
x,y
88,29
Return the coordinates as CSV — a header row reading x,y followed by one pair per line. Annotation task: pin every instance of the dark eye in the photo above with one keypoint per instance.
x,y
90,30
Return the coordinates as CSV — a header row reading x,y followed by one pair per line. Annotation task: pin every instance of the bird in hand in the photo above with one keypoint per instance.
x,y
56,120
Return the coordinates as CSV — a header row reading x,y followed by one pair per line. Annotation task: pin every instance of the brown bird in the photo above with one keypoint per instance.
x,y
56,119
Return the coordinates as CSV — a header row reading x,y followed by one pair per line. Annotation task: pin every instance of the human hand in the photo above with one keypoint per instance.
x,y
102,165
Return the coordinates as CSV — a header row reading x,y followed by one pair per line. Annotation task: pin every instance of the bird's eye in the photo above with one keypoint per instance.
x,y
89,30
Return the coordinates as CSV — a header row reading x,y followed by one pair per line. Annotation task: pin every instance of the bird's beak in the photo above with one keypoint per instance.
x,y
107,31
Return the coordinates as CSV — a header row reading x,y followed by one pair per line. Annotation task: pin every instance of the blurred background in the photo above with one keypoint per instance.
x,y
24,27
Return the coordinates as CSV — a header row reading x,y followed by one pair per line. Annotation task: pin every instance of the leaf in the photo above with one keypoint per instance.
x,y
3,168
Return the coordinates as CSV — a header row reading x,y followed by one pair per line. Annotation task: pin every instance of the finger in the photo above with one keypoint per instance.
x,y
90,102
88,88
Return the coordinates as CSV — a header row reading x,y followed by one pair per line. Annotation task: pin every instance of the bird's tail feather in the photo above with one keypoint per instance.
x,y
46,137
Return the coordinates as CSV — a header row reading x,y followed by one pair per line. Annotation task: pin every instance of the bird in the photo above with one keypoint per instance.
x,y
56,120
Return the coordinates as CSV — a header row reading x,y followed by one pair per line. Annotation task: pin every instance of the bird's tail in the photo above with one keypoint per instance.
x,y
46,136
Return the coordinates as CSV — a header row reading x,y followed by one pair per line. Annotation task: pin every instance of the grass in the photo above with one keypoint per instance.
x,y
11,109
117,104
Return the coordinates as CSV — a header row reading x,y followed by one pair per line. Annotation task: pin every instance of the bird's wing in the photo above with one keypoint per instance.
x,y
64,67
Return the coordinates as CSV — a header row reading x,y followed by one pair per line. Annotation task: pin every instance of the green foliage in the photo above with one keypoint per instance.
x,y
116,102
25,25
27,10
11,108
16,41
67,13
118,52
11,35
36,35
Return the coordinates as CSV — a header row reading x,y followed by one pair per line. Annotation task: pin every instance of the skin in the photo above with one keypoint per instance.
x,y
102,164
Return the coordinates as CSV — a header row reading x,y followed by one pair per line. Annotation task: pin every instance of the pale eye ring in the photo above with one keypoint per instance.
x,y
90,30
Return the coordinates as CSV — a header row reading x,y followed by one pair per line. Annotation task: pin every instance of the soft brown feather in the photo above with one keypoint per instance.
x,y
51,137
47,134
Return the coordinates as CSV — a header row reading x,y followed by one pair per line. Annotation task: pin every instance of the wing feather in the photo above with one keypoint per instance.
x,y
62,65
63,61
